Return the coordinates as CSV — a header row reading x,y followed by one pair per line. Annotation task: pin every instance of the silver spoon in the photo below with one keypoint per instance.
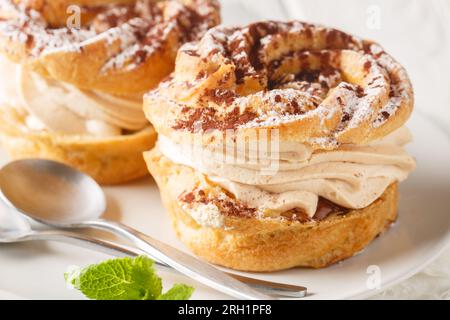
x,y
58,195
15,228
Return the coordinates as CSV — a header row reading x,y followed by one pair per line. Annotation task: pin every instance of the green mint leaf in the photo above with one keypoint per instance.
x,y
178,292
118,279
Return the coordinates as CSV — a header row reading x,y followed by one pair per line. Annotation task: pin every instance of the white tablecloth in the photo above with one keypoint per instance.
x,y
417,33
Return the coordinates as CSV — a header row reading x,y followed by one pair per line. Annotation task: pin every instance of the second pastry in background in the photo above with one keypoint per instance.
x,y
73,93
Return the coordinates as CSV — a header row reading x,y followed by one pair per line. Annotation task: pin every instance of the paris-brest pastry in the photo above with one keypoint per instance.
x,y
281,144
71,86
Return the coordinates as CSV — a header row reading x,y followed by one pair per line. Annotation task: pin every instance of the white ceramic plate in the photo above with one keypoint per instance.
x,y
35,270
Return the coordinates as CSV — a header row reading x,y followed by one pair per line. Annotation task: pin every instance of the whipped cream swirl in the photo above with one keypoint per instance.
x,y
59,107
352,176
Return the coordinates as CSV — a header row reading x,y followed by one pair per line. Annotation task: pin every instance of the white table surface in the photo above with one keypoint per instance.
x,y
415,32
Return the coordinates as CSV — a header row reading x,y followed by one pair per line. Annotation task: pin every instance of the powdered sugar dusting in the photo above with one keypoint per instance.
x,y
295,72
28,27
138,30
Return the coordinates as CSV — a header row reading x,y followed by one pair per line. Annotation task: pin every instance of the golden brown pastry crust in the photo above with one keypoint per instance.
x,y
111,160
315,85
254,244
80,57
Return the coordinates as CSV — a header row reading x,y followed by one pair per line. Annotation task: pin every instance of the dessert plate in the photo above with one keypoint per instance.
x,y
422,232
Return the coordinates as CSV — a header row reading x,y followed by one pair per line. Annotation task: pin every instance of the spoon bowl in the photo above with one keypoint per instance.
x,y
51,192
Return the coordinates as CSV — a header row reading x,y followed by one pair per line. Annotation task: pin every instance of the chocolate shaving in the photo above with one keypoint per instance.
x,y
367,65
325,208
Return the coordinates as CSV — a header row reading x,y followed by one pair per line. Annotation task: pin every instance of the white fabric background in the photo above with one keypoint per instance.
x,y
417,33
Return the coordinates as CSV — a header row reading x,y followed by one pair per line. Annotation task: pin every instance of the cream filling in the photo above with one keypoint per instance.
x,y
59,107
352,176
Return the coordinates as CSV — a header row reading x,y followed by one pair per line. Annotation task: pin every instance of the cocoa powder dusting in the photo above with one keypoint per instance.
x,y
208,118
232,207
226,205
294,80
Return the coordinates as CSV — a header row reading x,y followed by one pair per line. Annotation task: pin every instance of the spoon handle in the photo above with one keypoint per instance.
x,y
118,250
180,261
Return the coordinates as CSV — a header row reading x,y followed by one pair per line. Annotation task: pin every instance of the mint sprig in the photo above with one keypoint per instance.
x,y
124,279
